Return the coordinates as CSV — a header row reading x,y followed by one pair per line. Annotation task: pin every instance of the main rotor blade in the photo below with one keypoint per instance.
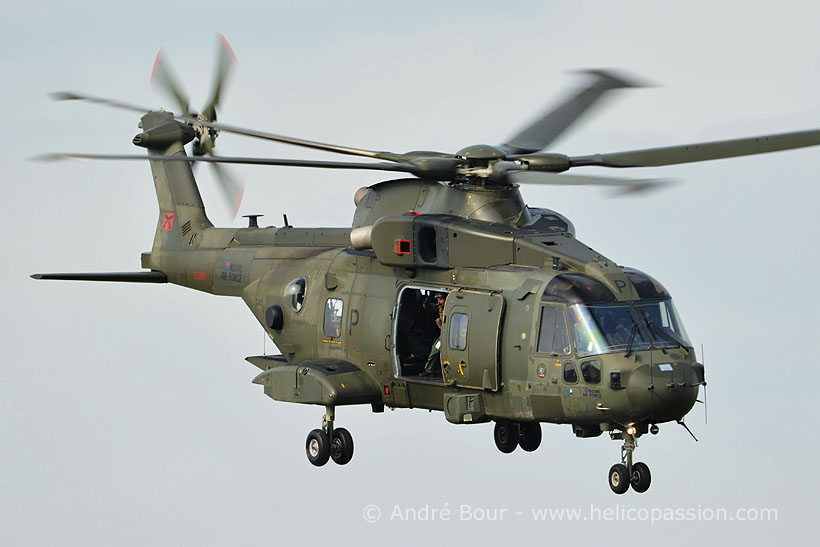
x,y
540,133
163,76
381,155
226,58
72,96
704,151
400,167
621,186
376,154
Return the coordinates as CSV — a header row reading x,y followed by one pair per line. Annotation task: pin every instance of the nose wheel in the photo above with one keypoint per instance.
x,y
329,443
625,474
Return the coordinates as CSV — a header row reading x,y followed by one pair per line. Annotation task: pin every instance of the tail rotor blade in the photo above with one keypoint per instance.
x,y
226,59
163,76
232,191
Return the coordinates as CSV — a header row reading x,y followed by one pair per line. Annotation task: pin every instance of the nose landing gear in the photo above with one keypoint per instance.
x,y
329,442
624,474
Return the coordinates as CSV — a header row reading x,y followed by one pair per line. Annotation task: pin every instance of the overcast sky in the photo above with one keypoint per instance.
x,y
127,413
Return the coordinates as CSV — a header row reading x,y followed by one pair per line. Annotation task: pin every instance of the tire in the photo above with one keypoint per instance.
x,y
618,478
341,446
317,447
529,437
506,436
641,477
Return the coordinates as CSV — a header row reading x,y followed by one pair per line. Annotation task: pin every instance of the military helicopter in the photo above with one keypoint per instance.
x,y
447,292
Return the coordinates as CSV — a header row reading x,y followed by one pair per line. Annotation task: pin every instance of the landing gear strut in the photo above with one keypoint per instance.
x,y
626,473
329,442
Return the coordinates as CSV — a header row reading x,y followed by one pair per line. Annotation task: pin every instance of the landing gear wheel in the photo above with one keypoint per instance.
x,y
618,478
641,478
341,446
530,436
506,436
317,447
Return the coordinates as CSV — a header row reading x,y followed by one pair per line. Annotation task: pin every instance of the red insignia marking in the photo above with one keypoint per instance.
x,y
168,221
200,276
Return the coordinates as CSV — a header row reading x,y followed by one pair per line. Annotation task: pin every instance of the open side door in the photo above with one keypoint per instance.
x,y
470,339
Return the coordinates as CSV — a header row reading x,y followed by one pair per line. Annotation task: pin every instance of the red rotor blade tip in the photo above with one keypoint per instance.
x,y
227,47
156,65
238,200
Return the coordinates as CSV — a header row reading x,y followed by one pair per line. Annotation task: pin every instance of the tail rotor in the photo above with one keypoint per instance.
x,y
204,142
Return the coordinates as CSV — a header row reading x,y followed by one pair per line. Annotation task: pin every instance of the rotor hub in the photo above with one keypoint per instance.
x,y
481,152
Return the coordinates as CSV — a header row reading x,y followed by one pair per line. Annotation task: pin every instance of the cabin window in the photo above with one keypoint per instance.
x,y
591,371
458,331
570,373
334,307
553,337
295,292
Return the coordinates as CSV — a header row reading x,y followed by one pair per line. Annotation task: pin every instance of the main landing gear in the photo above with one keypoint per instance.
x,y
329,442
509,435
626,473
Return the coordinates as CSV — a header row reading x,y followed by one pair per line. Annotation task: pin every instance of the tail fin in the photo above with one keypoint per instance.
x,y
181,211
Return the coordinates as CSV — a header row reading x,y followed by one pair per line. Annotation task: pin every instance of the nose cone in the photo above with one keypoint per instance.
x,y
662,392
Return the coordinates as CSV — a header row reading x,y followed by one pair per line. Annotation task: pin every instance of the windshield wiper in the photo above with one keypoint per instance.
x,y
631,339
653,327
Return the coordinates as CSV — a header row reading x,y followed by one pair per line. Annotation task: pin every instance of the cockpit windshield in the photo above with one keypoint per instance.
x,y
624,326
662,323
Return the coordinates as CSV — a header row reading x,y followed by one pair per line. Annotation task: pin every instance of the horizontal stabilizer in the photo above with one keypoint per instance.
x,y
266,362
122,277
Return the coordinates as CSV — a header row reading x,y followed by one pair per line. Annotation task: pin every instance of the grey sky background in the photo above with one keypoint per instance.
x,y
127,415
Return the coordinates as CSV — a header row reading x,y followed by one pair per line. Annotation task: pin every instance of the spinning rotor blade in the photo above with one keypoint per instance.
x,y
224,64
400,167
164,78
232,191
426,168
543,131
71,96
704,151
621,187
389,156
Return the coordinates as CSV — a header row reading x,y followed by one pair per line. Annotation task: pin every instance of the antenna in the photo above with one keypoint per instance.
x,y
651,378
705,406
686,427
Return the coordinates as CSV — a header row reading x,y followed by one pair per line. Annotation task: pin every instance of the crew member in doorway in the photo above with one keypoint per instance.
x,y
433,365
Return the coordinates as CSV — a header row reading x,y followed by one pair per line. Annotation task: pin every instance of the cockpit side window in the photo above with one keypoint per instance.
x,y
295,292
334,308
553,337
